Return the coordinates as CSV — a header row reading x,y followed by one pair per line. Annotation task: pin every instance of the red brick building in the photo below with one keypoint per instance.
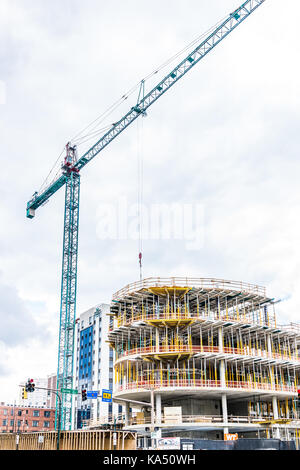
x,y
26,419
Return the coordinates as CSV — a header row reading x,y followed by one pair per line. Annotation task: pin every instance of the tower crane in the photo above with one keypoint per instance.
x,y
70,178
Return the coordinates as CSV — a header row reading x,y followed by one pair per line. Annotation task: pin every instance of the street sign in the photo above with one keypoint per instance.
x,y
69,390
92,394
107,396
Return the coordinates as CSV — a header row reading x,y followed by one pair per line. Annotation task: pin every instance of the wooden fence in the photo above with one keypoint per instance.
x,y
69,440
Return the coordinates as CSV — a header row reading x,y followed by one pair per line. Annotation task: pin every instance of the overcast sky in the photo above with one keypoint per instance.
x,y
223,140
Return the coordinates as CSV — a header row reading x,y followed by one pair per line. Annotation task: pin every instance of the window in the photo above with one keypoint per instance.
x,y
4,422
46,424
5,412
19,412
36,413
47,414
35,424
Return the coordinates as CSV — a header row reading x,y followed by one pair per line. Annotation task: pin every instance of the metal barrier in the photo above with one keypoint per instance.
x,y
69,440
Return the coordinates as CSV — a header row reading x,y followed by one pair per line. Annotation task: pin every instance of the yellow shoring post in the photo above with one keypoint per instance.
x,y
287,410
132,312
276,378
237,314
259,315
254,376
289,349
189,339
294,408
161,379
194,374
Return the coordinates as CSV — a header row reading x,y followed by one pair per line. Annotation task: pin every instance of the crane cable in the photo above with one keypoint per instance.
x,y
140,190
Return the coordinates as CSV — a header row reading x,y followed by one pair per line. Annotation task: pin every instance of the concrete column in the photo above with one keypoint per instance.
x,y
220,339
158,408
269,345
275,416
275,408
127,414
224,412
222,373
152,410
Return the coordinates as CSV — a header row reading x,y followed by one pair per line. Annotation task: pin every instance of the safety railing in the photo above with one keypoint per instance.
x,y
197,349
190,282
138,419
204,384
125,320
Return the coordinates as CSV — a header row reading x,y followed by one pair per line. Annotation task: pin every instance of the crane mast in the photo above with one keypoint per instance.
x,y
70,177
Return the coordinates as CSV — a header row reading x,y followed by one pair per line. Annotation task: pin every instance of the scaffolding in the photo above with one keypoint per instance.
x,y
209,336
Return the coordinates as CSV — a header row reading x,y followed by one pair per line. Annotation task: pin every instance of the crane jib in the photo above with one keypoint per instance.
x,y
225,28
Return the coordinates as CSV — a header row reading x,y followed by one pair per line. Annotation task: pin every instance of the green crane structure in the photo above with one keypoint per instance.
x,y
70,178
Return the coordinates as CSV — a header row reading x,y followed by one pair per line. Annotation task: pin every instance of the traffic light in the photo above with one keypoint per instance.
x,y
30,385
298,400
83,395
24,393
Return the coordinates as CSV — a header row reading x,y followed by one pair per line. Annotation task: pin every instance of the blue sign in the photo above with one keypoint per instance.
x,y
92,394
107,396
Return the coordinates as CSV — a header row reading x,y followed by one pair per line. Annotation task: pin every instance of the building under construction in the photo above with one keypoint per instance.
x,y
207,359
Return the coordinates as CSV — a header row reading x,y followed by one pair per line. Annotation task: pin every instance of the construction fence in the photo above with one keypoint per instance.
x,y
69,440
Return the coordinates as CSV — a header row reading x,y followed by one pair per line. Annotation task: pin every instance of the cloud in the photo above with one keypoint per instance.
x,y
18,326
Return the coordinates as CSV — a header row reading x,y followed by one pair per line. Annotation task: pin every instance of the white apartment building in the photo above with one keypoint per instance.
x,y
93,366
